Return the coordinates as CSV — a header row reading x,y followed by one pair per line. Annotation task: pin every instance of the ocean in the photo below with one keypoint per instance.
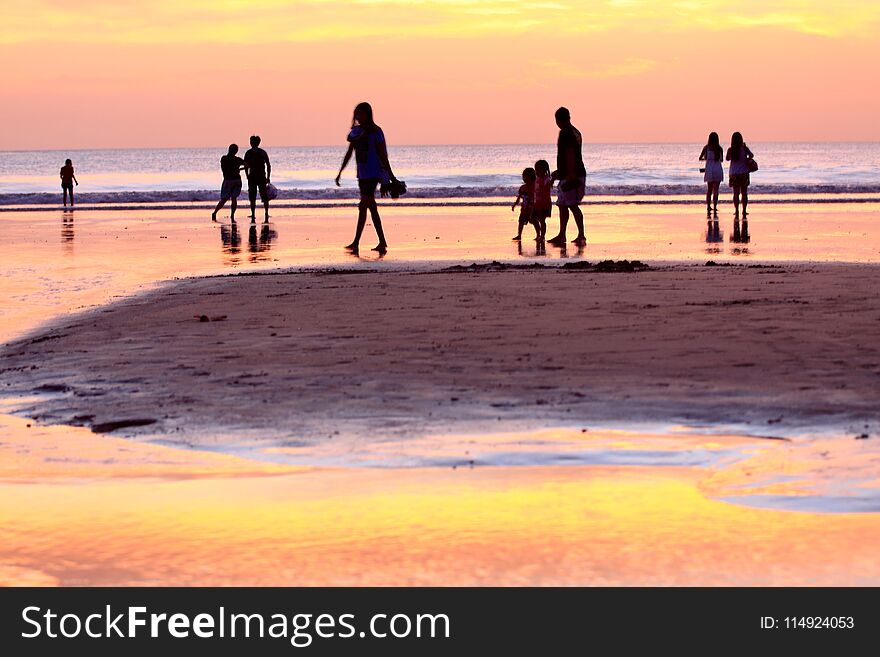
x,y
436,175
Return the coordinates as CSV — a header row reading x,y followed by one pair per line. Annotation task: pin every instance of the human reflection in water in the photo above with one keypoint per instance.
x,y
714,237
741,237
373,256
740,233
563,248
540,249
231,239
260,238
260,244
67,234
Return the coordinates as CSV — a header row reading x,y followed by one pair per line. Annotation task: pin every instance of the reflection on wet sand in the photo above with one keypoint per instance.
x,y
260,239
366,256
231,239
261,244
119,512
539,250
113,252
90,509
513,526
740,236
67,233
714,237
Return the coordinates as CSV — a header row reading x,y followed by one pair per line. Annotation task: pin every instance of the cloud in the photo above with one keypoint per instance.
x,y
627,67
217,21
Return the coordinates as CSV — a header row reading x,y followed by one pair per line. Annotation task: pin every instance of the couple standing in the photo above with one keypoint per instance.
x,y
258,170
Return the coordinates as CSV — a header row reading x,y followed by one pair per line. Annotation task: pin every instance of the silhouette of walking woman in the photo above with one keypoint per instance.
x,y
367,141
231,166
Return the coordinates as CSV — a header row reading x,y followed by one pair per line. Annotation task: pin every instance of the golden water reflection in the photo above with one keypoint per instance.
x,y
152,515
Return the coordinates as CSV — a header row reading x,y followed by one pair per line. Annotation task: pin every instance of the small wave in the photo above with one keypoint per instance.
x,y
330,195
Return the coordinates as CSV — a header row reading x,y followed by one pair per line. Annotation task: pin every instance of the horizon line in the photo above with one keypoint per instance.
x,y
342,145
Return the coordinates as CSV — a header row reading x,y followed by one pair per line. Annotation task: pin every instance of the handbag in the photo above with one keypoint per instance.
x,y
753,165
271,191
395,188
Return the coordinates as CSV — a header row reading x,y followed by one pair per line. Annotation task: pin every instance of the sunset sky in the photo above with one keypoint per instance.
x,y
105,73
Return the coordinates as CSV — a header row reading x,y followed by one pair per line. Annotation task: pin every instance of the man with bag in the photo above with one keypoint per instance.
x,y
258,171
572,177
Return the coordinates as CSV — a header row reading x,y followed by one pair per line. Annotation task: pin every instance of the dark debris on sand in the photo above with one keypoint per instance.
x,y
342,272
107,427
336,271
606,266
712,263
52,387
490,266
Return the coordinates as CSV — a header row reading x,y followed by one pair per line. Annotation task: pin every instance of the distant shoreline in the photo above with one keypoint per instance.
x,y
184,175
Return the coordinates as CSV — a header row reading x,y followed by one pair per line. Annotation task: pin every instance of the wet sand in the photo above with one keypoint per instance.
x,y
306,358
99,510
55,262
407,425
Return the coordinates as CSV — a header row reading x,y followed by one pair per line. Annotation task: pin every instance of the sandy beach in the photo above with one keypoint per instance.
x,y
78,508
346,354
64,261
416,420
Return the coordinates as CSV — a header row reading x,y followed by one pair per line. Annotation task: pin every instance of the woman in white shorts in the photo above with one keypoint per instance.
x,y
739,155
712,154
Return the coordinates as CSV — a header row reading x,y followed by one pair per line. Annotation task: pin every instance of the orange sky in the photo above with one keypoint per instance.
x,y
100,73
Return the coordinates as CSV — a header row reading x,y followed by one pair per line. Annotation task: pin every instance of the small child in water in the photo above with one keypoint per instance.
x,y
543,200
67,180
527,196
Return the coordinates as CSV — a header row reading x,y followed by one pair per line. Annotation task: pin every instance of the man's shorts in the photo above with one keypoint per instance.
x,y
230,189
255,185
571,197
